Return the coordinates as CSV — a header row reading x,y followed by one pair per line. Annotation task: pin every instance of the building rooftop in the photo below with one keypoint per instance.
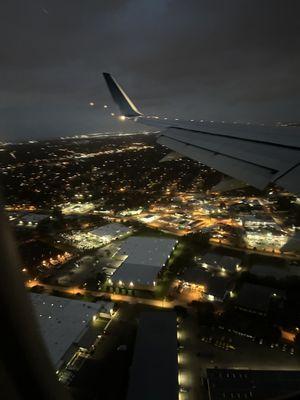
x,y
258,218
230,264
245,384
256,297
34,218
146,257
154,370
196,275
218,286
113,230
278,272
30,219
151,251
136,273
219,261
214,285
62,322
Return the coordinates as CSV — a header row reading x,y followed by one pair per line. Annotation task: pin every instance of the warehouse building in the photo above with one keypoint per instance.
x,y
154,370
258,221
272,239
275,271
65,324
211,286
32,220
77,208
146,257
97,237
221,263
110,232
257,299
218,288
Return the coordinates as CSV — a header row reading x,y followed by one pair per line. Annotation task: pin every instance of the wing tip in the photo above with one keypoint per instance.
x,y
126,106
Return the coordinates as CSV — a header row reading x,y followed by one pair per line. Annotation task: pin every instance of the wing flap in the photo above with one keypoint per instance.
x,y
281,136
265,155
255,175
290,180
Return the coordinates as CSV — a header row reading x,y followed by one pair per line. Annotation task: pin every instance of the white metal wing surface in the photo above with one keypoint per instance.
x,y
254,154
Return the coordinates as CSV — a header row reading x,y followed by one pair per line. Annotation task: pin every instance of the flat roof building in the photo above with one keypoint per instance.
x,y
220,262
154,370
31,220
146,256
257,298
258,221
213,286
263,238
228,384
196,276
275,271
63,323
97,237
111,232
218,287
77,208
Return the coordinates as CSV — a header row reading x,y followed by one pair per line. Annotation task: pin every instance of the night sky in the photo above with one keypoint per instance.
x,y
221,60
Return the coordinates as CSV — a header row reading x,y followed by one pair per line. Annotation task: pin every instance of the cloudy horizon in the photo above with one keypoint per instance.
x,y
233,60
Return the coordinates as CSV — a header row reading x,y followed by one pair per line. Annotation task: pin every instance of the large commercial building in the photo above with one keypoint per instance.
x,y
154,370
146,257
110,232
211,286
98,237
257,299
32,220
266,239
275,271
221,263
229,384
77,208
64,323
258,221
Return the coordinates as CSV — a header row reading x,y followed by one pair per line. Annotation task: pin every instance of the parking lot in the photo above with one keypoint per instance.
x,y
90,270
202,347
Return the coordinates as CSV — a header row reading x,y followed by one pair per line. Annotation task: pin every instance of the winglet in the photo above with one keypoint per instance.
x,y
126,106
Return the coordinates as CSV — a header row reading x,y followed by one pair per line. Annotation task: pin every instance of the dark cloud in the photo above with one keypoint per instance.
x,y
233,59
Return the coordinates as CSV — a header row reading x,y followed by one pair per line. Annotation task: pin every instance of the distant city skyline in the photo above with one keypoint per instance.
x,y
193,59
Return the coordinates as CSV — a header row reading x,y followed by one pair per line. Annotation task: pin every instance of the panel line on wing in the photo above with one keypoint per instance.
x,y
272,170
242,170
235,137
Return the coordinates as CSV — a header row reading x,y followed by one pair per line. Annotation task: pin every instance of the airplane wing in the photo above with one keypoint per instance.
x,y
255,154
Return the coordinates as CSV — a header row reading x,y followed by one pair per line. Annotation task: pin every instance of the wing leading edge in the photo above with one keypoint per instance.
x,y
255,154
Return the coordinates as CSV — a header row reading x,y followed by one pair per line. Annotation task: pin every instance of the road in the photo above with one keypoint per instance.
x,y
113,297
218,243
